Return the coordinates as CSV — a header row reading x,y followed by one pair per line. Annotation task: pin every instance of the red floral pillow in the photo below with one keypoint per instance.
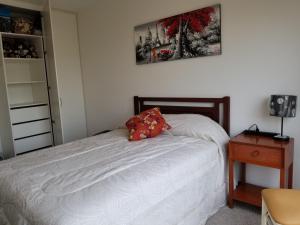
x,y
147,124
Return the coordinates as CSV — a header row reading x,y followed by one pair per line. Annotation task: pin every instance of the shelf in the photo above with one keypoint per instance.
x,y
26,82
24,59
16,35
248,193
27,105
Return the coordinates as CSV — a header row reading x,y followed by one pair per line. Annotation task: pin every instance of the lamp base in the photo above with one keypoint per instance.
x,y
281,137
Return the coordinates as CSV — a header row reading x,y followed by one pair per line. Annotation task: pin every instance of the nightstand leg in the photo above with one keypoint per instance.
x,y
282,177
231,183
243,173
290,181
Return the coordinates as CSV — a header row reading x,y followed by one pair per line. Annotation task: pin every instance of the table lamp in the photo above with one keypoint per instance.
x,y
283,106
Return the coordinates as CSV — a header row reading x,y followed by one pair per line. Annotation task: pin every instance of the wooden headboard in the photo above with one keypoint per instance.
x,y
217,109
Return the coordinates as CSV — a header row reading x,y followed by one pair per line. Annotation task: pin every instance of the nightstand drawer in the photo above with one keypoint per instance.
x,y
257,155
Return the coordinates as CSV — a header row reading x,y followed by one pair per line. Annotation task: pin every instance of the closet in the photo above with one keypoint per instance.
x,y
41,96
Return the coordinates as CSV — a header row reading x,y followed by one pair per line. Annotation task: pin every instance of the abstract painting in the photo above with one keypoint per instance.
x,y
188,35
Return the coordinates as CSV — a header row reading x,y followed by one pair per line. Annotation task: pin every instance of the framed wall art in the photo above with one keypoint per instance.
x,y
188,35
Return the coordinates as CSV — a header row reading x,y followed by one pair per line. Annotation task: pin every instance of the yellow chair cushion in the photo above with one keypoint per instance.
x,y
283,205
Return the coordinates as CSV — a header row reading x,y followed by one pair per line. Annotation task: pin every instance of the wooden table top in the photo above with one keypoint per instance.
x,y
260,141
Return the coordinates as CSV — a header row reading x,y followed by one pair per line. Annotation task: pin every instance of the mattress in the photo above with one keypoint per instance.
x,y
107,180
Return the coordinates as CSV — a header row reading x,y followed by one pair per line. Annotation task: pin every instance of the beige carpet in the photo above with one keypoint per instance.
x,y
241,214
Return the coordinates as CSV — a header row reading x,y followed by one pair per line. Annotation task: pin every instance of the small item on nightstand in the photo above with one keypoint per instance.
x,y
260,133
283,106
257,132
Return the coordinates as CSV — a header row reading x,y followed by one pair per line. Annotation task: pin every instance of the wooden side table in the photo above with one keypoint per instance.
x,y
262,151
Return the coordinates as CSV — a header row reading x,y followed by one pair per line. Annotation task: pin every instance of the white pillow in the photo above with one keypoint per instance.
x,y
198,126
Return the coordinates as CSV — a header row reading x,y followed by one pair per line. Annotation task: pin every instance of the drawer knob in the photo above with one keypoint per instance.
x,y
255,153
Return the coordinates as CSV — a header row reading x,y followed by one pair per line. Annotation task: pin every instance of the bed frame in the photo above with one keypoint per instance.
x,y
217,109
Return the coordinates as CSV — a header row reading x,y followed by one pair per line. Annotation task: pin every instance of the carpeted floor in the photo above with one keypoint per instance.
x,y
241,214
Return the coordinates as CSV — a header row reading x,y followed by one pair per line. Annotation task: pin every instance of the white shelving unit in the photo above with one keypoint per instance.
x,y
15,35
23,59
41,99
24,81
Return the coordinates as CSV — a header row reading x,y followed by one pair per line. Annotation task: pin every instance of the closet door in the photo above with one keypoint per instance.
x,y
1,149
51,76
68,68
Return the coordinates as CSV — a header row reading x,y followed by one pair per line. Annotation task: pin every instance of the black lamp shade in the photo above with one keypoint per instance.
x,y
283,105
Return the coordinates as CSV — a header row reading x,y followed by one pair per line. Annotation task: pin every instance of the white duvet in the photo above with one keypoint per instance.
x,y
107,180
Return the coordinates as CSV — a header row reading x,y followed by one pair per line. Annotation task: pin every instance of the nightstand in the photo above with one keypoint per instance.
x,y
262,151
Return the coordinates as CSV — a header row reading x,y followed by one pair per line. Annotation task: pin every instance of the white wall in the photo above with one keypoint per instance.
x,y
261,53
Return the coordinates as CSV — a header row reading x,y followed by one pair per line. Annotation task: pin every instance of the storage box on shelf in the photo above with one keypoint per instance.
x,y
22,46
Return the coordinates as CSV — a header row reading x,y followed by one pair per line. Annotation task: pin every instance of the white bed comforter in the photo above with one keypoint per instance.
x,y
106,180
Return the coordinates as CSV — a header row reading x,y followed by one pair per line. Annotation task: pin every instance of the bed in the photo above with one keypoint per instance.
x,y
177,178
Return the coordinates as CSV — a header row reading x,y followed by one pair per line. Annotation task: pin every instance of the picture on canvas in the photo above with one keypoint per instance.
x,y
188,35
